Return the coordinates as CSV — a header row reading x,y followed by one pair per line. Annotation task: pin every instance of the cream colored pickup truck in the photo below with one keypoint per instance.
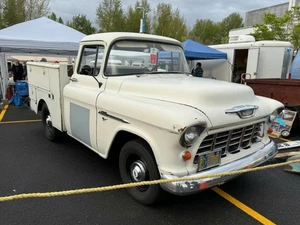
x,y
158,120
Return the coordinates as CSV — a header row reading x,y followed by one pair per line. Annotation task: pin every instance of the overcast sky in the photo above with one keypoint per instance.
x,y
215,10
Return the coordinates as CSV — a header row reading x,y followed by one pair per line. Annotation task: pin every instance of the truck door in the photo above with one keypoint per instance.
x,y
81,93
252,62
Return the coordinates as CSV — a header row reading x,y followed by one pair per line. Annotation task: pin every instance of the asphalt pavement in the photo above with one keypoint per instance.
x,y
30,163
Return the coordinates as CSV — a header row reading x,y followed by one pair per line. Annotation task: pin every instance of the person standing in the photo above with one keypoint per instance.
x,y
198,72
17,70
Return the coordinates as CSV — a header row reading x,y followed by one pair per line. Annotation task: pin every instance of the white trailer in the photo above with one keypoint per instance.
x,y
253,59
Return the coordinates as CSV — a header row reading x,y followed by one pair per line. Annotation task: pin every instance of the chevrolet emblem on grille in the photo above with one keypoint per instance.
x,y
243,111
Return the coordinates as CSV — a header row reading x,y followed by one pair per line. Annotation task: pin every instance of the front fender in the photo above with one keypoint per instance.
x,y
160,124
164,145
168,116
272,103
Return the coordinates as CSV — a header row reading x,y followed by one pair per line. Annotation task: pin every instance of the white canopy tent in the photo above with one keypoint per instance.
x,y
40,36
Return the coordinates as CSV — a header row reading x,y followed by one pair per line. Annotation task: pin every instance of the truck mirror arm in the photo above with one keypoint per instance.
x,y
99,83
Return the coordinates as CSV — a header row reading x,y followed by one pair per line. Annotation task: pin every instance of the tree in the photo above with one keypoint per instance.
x,y
135,14
295,36
82,24
17,11
285,28
1,14
293,27
60,20
169,23
206,32
163,19
36,8
234,20
14,12
110,16
178,26
53,16
274,28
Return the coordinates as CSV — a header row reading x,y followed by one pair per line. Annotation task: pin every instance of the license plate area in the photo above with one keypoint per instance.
x,y
208,160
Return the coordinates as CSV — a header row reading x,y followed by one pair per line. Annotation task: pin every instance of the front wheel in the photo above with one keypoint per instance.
x,y
137,164
285,133
51,132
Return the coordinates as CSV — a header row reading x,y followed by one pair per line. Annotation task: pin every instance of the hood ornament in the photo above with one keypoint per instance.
x,y
243,111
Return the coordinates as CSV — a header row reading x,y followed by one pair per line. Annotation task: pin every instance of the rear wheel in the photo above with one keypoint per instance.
x,y
136,164
51,132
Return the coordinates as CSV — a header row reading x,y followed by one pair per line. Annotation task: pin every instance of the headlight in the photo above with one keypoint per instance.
x,y
274,115
190,135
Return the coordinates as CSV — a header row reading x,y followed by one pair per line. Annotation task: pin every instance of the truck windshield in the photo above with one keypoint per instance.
x,y
142,57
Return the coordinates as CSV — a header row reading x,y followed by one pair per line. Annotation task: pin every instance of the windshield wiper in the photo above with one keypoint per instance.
x,y
156,72
161,72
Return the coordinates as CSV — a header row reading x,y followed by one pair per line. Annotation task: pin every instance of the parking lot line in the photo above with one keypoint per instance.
x,y
280,138
20,121
283,139
243,207
3,112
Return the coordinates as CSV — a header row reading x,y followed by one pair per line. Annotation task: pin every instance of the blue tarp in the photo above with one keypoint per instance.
x,y
194,50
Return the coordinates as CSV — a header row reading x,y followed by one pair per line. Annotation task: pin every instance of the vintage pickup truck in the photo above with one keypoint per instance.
x,y
132,96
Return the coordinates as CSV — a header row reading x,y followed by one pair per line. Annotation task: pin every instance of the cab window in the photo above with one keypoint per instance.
x,y
90,60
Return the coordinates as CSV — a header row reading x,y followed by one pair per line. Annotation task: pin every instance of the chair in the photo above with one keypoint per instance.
x,y
21,88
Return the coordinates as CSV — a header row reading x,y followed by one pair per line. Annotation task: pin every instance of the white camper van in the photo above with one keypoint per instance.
x,y
250,59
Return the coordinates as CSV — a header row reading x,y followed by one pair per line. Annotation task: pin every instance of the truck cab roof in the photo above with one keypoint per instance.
x,y
112,36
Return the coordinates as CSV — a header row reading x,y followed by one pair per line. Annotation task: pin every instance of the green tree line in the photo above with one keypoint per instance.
x,y
111,16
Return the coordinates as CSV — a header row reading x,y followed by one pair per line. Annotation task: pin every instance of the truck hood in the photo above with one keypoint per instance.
x,y
210,96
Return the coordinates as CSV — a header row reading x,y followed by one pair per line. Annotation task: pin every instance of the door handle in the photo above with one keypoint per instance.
x,y
73,80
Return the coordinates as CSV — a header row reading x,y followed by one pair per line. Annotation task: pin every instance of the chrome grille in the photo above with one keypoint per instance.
x,y
232,141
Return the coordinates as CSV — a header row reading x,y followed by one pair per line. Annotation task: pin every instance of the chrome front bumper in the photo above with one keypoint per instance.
x,y
193,186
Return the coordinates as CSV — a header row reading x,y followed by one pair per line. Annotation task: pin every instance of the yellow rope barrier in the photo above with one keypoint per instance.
x,y
130,185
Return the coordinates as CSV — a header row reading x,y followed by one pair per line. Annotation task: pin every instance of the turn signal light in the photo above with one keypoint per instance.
x,y
203,185
270,130
186,156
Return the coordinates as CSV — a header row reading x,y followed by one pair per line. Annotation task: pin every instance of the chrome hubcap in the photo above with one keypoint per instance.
x,y
49,121
285,133
138,171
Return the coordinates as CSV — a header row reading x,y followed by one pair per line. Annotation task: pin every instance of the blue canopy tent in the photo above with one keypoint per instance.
x,y
194,50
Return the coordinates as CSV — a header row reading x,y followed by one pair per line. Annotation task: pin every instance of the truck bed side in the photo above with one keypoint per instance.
x,y
284,90
46,82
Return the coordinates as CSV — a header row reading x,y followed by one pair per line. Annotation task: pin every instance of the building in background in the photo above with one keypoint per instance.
x,y
257,16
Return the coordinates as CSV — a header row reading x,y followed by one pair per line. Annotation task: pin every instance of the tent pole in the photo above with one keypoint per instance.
x,y
4,75
69,60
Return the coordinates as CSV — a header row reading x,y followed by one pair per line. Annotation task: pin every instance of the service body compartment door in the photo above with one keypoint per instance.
x,y
44,86
252,62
